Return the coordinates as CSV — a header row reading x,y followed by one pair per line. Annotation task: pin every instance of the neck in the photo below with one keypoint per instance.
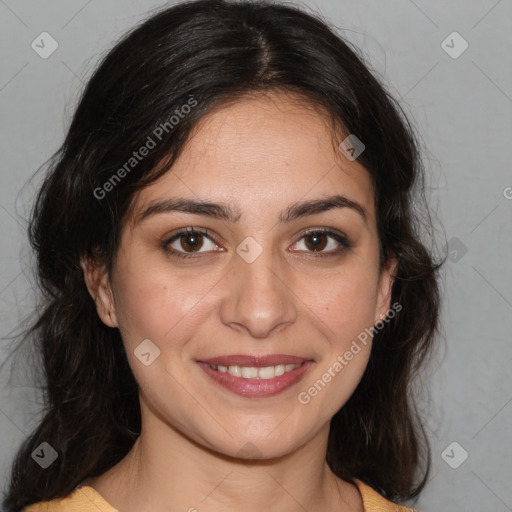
x,y
165,471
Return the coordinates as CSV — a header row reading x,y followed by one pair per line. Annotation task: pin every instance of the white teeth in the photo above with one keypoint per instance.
x,y
251,372
235,371
280,369
267,372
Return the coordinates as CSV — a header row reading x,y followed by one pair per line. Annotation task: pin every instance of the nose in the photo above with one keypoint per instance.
x,y
259,296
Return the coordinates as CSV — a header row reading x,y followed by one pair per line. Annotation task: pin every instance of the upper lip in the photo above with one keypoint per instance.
x,y
254,361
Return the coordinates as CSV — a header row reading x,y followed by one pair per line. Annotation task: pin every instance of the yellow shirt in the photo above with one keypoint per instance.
x,y
86,499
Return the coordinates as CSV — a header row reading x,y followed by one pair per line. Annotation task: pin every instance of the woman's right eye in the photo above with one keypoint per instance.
x,y
185,242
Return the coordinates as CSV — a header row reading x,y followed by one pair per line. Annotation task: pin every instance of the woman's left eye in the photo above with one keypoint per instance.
x,y
324,242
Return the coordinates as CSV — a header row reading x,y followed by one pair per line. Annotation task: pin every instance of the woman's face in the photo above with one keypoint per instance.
x,y
262,282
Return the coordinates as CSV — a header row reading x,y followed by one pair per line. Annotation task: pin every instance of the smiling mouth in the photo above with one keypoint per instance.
x,y
258,377
253,372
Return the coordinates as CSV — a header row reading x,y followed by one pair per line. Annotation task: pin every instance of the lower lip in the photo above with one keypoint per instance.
x,y
259,388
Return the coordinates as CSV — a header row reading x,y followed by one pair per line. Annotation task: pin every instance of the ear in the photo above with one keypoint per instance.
x,y
98,283
386,279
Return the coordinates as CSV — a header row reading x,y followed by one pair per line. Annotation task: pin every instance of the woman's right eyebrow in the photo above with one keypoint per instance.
x,y
230,213
221,211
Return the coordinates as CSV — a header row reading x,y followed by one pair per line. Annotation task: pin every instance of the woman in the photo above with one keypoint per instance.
x,y
236,298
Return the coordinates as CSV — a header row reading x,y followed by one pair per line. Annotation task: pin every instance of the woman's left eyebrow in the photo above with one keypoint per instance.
x,y
230,213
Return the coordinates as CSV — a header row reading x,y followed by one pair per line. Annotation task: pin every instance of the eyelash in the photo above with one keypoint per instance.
x,y
338,237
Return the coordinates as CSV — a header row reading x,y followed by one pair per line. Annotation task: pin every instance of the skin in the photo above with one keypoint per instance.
x,y
260,154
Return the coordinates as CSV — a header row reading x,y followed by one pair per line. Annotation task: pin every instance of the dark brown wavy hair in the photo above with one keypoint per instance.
x,y
212,52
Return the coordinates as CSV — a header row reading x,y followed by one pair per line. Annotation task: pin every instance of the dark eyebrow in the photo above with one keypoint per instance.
x,y
305,208
223,211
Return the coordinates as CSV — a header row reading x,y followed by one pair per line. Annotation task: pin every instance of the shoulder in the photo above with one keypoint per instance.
x,y
82,499
374,502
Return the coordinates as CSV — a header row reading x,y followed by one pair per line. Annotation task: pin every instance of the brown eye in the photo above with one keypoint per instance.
x,y
316,241
191,241
323,242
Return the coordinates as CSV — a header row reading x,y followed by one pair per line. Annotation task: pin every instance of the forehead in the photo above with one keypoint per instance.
x,y
267,148
278,125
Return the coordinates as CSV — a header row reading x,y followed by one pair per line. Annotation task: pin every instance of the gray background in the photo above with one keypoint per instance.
x,y
462,108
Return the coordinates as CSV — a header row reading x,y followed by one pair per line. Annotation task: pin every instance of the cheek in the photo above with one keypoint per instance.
x,y
169,310
346,312
346,316
152,303
346,301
